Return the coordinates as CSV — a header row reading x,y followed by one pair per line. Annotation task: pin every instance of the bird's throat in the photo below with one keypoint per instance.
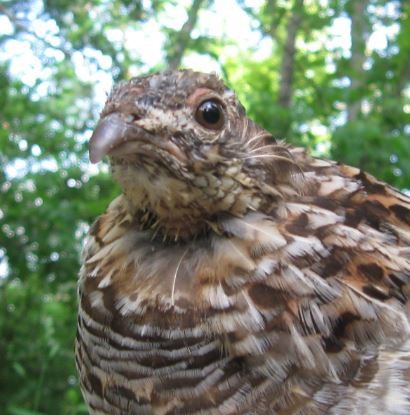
x,y
169,228
176,209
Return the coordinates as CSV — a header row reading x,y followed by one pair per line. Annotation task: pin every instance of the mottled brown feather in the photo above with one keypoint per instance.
x,y
237,274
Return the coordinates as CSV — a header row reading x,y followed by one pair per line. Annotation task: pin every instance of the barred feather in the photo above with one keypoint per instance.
x,y
222,282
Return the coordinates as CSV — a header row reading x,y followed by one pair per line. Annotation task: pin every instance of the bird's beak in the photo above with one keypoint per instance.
x,y
111,131
113,135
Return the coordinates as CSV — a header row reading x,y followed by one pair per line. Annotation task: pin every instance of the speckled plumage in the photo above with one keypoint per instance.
x,y
236,274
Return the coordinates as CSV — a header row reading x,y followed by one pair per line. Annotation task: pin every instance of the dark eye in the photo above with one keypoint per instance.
x,y
210,114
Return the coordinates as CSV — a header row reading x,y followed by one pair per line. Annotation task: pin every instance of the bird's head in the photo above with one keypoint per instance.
x,y
184,152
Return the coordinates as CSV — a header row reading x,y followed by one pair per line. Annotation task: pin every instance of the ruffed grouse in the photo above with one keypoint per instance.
x,y
237,274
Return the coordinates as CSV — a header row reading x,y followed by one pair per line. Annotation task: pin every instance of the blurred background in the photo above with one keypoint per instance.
x,y
330,75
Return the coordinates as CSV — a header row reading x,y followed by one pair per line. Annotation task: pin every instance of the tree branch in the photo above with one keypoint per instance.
x,y
183,37
20,27
288,58
358,35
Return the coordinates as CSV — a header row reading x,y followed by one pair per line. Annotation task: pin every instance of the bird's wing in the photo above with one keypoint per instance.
x,y
324,306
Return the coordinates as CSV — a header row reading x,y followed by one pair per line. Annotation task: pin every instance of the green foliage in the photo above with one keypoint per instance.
x,y
44,215
376,151
49,193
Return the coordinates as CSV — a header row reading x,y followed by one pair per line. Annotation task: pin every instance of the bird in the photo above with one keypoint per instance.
x,y
236,273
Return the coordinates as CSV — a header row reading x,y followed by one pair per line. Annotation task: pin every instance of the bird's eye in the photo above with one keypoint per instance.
x,y
210,114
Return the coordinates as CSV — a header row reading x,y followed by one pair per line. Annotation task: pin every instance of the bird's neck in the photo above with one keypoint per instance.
x,y
176,226
176,209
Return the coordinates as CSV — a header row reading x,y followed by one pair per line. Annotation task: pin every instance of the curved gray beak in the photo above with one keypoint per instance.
x,y
110,131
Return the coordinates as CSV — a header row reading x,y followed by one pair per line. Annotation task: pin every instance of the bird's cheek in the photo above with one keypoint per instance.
x,y
213,154
206,159
175,151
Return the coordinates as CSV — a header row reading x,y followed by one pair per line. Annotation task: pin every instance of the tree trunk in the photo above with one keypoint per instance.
x,y
271,10
358,34
404,71
288,58
183,37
